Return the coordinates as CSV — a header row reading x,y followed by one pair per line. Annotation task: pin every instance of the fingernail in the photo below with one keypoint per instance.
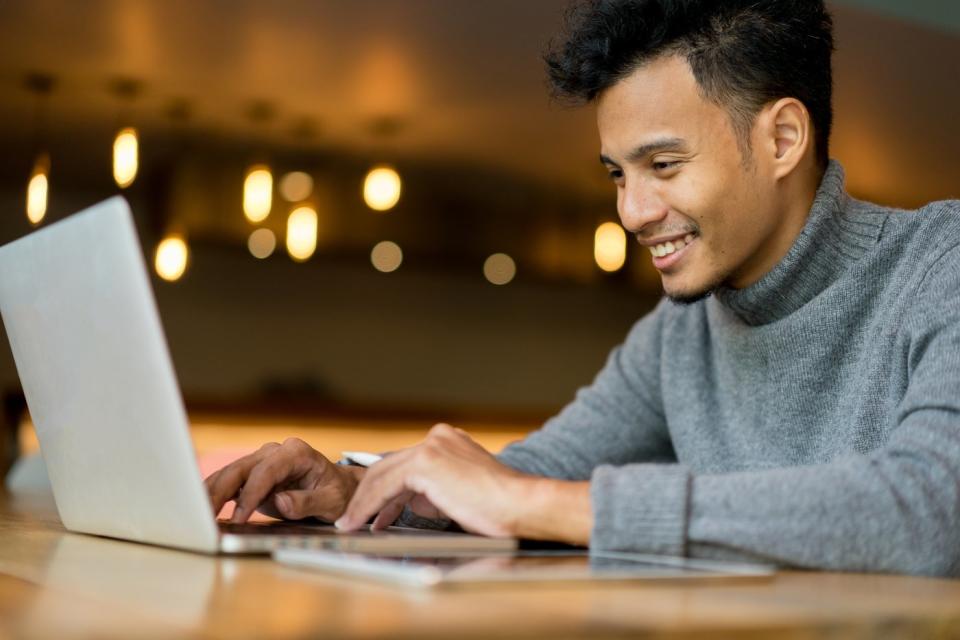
x,y
284,503
340,524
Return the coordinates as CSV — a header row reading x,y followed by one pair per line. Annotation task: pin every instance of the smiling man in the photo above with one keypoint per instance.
x,y
796,395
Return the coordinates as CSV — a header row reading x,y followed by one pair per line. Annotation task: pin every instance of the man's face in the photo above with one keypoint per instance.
x,y
682,182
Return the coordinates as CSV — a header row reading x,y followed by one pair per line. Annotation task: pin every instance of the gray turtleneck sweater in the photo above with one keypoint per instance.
x,y
811,419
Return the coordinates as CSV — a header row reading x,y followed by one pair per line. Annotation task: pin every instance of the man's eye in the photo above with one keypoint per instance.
x,y
665,166
615,174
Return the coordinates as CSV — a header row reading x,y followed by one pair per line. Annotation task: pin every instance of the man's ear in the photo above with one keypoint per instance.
x,y
787,135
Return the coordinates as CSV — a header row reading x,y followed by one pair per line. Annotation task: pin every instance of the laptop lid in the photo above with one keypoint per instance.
x,y
86,337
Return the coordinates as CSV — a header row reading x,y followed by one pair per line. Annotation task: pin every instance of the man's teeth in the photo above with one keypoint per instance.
x,y
667,248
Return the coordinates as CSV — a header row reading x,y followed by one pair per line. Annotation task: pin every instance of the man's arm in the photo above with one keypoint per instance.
x,y
895,509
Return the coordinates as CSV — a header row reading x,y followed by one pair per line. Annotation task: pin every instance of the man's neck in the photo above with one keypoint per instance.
x,y
797,191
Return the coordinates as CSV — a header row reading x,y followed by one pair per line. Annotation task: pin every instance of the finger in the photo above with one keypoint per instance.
x,y
225,483
296,504
389,514
211,479
260,483
382,483
268,508
229,480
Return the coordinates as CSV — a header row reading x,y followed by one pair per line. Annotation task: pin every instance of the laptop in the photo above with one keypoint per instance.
x,y
89,347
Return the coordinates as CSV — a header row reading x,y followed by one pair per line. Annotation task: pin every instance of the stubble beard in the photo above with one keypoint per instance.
x,y
686,298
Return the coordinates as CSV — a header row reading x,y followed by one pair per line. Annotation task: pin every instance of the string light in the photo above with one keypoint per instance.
x,y
257,193
381,188
171,258
499,269
386,256
125,157
302,233
261,243
38,189
610,246
296,186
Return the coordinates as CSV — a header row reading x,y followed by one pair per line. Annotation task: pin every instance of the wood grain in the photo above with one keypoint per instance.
x,y
58,584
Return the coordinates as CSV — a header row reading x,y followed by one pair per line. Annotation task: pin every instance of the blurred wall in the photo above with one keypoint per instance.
x,y
342,333
465,84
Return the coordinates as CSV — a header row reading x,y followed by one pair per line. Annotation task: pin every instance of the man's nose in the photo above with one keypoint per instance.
x,y
639,206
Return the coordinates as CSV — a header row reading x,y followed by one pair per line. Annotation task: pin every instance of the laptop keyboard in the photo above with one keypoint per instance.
x,y
277,528
281,528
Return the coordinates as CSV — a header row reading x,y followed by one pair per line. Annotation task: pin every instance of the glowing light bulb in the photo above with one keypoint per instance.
x,y
381,188
499,269
610,246
261,243
171,258
125,157
38,190
257,193
302,233
386,256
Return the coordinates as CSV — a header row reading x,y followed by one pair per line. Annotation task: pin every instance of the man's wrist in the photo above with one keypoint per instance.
x,y
557,510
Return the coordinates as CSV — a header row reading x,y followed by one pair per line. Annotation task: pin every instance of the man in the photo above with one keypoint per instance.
x,y
796,395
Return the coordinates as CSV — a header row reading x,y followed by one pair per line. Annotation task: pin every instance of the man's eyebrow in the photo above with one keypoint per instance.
x,y
654,146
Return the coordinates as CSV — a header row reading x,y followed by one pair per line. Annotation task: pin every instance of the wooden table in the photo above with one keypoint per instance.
x,y
58,584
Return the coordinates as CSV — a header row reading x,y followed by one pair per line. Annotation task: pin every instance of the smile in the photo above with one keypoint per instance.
x,y
667,254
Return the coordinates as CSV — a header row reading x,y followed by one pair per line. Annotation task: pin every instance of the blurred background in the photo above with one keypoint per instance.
x,y
369,212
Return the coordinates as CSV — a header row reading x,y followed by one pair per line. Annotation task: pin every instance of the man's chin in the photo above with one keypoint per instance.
x,y
690,295
689,298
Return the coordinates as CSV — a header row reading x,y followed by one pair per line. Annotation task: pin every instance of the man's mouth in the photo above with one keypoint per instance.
x,y
666,248
667,254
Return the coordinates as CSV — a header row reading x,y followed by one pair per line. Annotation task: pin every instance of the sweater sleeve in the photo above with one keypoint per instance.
x,y
617,419
895,509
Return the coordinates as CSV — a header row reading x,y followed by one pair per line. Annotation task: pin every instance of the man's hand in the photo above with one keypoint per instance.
x,y
450,474
291,481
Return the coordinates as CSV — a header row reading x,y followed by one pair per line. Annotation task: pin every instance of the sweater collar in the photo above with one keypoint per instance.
x,y
837,233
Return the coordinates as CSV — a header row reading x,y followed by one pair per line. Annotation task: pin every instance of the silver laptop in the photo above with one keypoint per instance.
x,y
100,385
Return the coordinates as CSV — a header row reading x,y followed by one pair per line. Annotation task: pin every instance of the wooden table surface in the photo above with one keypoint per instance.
x,y
58,584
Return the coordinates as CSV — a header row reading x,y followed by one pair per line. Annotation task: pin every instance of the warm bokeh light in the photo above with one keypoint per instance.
x,y
386,256
38,190
296,186
302,233
261,243
381,188
171,258
125,157
499,268
610,246
257,193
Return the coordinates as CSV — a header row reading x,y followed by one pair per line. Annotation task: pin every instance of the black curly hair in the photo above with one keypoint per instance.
x,y
744,54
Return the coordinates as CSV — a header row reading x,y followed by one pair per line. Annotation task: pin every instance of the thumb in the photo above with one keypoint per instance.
x,y
302,503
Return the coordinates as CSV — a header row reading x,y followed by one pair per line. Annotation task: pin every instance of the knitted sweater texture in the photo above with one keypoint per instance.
x,y
811,419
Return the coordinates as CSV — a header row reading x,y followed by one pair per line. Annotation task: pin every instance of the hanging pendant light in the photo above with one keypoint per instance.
x,y
38,185
171,258
126,151
381,188
126,143
38,189
257,193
